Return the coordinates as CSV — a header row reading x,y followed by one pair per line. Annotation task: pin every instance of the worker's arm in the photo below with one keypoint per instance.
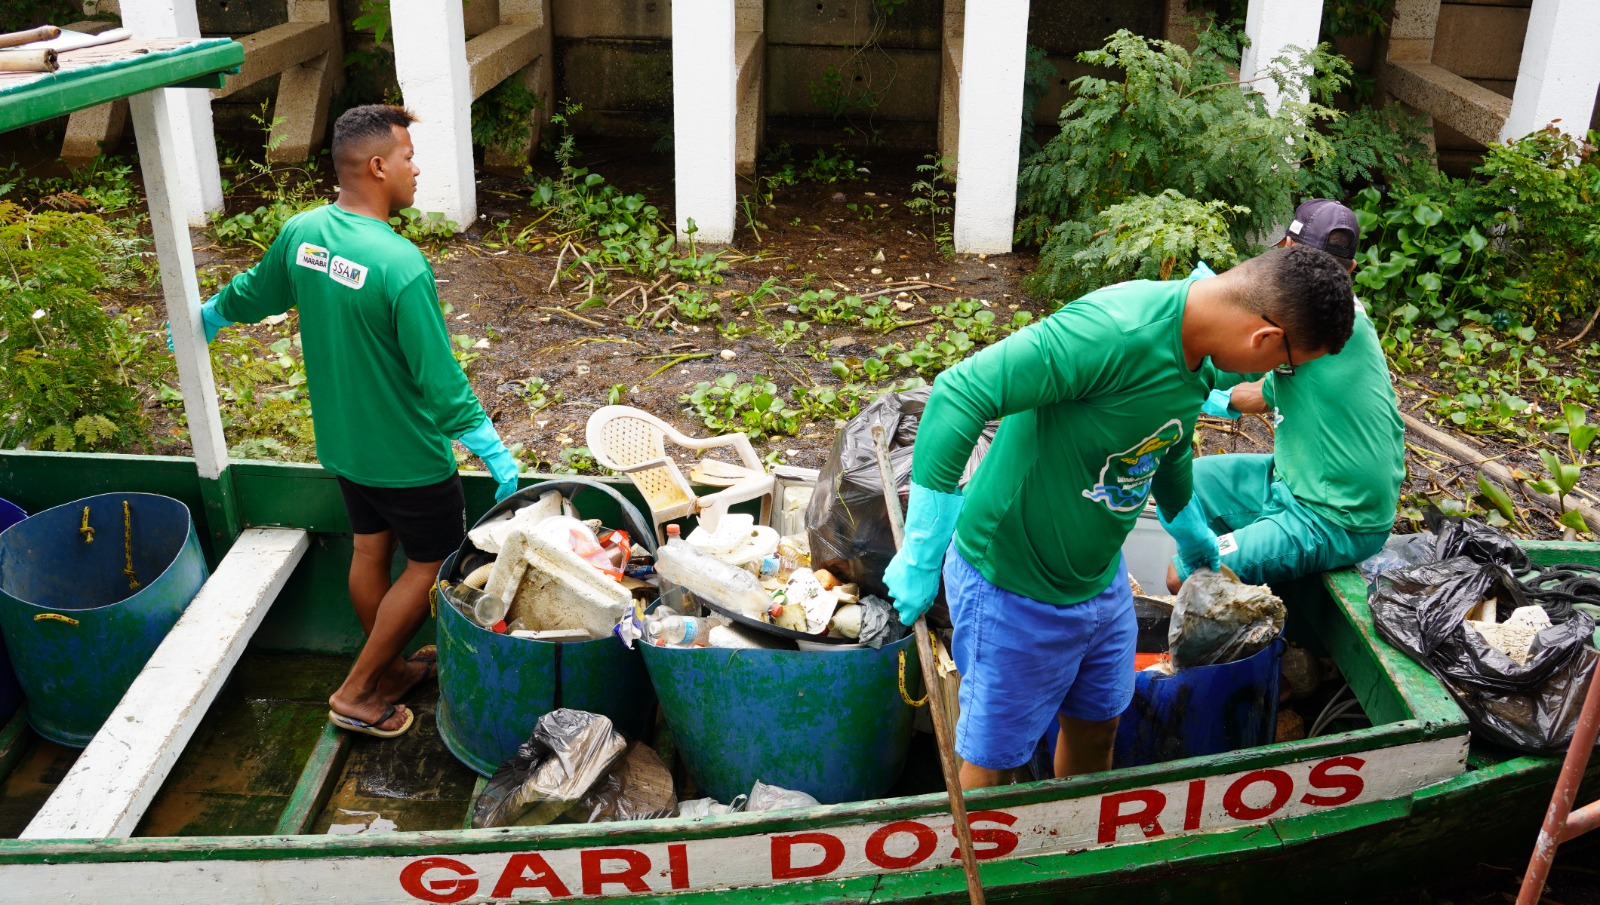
x,y
1063,357
447,396
1181,513
258,293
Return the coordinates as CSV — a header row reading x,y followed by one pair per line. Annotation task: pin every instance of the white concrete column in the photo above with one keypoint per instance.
x,y
1560,70
1273,27
705,105
165,181
188,113
430,58
992,57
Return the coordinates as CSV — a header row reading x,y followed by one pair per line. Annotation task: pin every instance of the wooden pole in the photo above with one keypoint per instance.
x,y
930,679
43,60
42,33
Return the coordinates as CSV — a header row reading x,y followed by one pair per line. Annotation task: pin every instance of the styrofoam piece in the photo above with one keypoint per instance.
x,y
491,535
559,590
737,539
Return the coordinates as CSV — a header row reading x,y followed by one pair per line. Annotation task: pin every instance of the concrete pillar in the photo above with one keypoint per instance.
x,y
1273,27
993,56
705,104
188,113
1560,70
430,56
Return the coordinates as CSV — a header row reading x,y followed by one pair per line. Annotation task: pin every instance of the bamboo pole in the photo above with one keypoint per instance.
x,y
935,690
42,33
42,60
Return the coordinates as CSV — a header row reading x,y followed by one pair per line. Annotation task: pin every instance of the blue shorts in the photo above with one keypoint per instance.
x,y
1023,661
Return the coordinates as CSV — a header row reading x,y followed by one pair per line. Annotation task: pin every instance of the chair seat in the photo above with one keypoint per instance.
x,y
718,473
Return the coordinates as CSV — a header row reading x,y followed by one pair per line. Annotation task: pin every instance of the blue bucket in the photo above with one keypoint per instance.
x,y
1201,710
10,691
88,590
493,688
830,723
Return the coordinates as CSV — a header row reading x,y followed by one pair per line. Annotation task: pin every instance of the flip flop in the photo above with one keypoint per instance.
x,y
430,656
356,725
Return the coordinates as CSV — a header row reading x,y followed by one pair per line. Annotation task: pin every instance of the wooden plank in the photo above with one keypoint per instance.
x,y
316,782
472,804
15,741
107,790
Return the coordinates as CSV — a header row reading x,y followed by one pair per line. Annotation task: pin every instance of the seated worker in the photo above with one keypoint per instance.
x,y
1097,402
387,397
1325,498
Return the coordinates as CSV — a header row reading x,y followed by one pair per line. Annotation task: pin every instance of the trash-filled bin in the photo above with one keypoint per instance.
x,y
1201,710
88,590
493,687
833,723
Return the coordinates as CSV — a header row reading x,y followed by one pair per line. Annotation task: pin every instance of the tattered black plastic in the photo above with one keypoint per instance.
x,y
1531,706
847,524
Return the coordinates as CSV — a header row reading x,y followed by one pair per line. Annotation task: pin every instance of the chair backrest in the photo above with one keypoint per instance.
x,y
621,437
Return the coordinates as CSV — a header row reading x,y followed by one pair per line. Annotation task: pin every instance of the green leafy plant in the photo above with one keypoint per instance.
x,y
1150,237
831,168
729,404
540,395
1424,255
931,199
423,228
66,385
282,191
500,118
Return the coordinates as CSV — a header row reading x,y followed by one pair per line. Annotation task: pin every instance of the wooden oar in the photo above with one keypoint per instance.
x,y
42,33
930,678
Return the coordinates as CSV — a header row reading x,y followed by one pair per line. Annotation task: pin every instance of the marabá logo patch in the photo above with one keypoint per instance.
x,y
348,272
312,256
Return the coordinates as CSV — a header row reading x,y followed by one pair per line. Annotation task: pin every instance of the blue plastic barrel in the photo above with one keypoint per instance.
x,y
87,592
10,691
830,723
493,688
1201,710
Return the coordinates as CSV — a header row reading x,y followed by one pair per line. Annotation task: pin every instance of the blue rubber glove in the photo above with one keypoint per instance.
x,y
1197,543
485,443
913,574
1219,404
210,318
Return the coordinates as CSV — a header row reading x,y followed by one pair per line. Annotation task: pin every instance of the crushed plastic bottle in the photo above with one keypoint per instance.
x,y
709,578
675,630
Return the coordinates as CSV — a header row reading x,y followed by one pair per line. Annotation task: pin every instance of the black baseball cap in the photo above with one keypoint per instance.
x,y
1328,225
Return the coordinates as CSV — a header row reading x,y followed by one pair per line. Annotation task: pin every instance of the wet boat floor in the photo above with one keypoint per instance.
x,y
239,771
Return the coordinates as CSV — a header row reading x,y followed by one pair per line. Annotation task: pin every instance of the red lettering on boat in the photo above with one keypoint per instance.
x,y
1196,804
1350,784
631,877
443,890
678,865
1233,799
877,844
1145,816
515,877
783,866
1000,842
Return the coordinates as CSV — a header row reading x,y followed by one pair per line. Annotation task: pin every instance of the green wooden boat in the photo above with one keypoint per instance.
x,y
262,787
218,779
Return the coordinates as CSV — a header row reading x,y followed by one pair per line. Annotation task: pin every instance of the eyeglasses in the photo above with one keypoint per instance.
x,y
1287,368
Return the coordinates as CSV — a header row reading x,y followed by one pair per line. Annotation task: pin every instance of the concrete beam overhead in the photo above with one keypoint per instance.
x,y
1472,110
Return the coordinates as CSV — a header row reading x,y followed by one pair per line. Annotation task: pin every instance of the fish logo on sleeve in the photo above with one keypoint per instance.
x,y
1125,478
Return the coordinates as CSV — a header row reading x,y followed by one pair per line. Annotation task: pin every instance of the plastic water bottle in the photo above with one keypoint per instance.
x,y
727,586
675,630
486,610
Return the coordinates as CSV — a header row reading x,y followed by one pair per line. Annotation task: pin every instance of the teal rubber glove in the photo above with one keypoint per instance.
x,y
1197,543
1219,404
1202,269
210,319
913,574
485,443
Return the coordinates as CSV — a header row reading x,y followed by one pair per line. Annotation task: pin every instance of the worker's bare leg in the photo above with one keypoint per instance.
x,y
366,692
973,776
370,568
1084,746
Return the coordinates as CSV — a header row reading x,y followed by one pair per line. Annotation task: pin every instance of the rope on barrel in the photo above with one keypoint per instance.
x,y
127,547
905,695
84,529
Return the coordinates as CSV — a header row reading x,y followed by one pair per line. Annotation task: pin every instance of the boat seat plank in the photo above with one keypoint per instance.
x,y
107,791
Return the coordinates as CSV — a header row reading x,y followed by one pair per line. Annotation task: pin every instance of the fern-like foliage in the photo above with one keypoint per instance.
x,y
63,384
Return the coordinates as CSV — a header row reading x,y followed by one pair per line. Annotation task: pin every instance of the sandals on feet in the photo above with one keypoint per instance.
x,y
356,725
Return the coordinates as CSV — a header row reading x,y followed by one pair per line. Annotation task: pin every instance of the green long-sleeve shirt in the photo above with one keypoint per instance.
x,y
387,396
1097,405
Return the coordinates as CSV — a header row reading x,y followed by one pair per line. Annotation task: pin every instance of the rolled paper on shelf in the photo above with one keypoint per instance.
x,y
28,61
42,33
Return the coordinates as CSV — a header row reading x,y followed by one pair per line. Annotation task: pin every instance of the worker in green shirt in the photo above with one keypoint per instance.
x,y
387,398
1098,402
1325,497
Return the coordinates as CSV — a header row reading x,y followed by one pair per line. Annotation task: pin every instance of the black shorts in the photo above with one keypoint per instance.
x,y
430,521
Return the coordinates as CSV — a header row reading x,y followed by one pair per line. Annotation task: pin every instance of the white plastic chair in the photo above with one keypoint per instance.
x,y
632,442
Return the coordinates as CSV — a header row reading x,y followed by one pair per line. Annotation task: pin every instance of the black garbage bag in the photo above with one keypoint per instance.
x,y
1531,706
567,754
846,522
1459,536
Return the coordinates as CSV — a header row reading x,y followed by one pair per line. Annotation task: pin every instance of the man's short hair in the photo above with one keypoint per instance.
x,y
1304,290
360,127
